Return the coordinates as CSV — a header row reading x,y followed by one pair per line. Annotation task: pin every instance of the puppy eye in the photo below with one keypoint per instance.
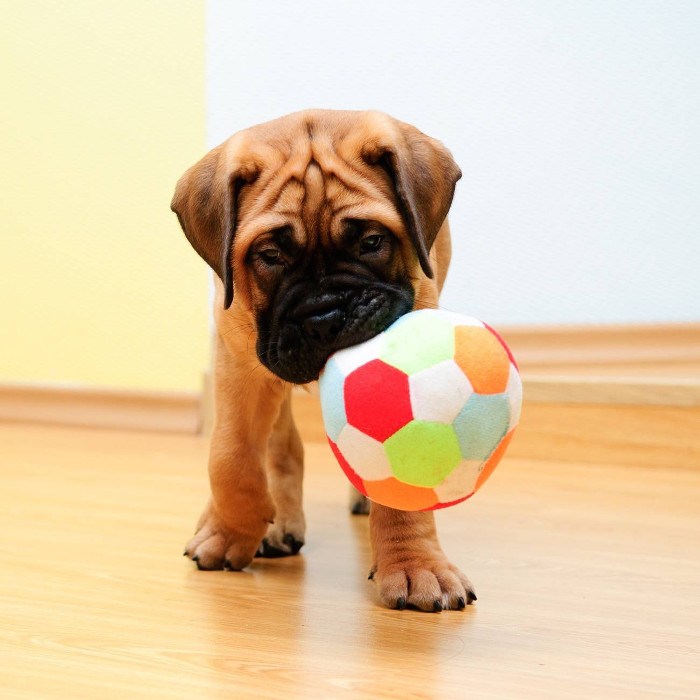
x,y
371,243
270,255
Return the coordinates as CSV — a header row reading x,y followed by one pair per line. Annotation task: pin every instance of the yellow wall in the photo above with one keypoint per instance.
x,y
102,110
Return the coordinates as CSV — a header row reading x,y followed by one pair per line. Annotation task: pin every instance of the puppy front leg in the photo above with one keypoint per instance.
x,y
248,401
410,567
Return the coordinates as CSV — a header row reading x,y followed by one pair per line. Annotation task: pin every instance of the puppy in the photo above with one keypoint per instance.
x,y
323,227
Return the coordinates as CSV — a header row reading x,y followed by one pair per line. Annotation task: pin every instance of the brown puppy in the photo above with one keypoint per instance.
x,y
323,227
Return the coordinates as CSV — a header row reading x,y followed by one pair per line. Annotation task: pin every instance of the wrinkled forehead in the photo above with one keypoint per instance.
x,y
313,188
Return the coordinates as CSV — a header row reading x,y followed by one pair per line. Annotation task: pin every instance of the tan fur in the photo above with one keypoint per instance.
x,y
311,169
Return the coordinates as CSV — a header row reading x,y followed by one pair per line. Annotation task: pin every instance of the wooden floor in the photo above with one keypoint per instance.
x,y
588,579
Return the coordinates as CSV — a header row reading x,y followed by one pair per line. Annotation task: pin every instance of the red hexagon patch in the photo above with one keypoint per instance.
x,y
378,399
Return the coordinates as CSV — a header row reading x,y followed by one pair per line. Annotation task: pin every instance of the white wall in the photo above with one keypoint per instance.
x,y
576,124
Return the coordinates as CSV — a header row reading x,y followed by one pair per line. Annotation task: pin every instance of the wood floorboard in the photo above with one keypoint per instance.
x,y
587,577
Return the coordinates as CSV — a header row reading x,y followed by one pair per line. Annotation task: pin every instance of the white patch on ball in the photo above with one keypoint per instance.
x,y
364,454
438,393
460,482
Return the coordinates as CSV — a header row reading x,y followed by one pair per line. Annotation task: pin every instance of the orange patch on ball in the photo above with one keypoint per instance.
x,y
493,460
399,495
482,358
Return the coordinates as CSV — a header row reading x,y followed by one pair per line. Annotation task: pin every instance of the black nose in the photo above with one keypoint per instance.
x,y
324,327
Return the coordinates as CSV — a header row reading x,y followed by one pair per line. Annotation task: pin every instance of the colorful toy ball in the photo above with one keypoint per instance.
x,y
419,416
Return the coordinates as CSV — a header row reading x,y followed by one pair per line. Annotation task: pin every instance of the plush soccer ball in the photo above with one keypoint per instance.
x,y
419,416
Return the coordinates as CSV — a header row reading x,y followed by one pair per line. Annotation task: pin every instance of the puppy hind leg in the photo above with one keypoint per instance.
x,y
359,503
285,471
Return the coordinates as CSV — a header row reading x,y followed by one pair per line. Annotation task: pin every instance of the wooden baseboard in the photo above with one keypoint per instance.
x,y
643,351
641,434
576,381
102,408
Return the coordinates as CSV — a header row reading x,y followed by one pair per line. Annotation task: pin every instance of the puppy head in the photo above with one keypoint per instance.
x,y
319,225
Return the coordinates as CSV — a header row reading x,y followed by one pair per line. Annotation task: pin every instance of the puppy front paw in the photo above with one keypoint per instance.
x,y
425,582
218,545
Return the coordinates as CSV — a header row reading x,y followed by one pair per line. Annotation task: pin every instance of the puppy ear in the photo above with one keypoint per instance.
x,y
424,176
205,203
